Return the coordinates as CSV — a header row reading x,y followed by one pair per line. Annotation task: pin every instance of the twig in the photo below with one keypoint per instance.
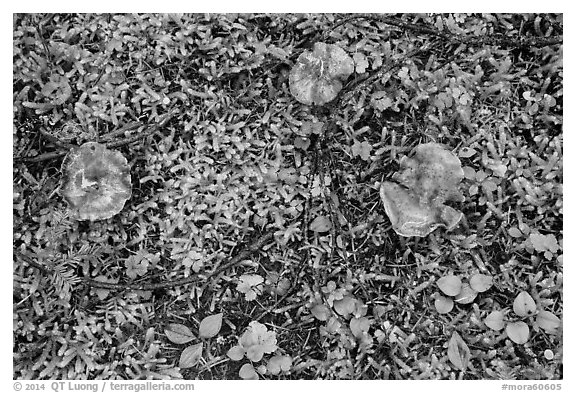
x,y
57,154
236,259
455,39
112,134
52,139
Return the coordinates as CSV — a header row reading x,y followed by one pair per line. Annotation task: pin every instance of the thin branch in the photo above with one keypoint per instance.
x,y
140,135
500,40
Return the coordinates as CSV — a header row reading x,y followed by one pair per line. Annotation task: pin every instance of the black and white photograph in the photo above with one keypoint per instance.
x,y
286,196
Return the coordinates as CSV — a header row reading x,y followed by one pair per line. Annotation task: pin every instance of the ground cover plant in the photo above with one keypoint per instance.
x,y
254,242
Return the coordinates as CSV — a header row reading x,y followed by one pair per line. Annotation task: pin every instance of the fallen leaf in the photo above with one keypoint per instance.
x,y
210,326
458,352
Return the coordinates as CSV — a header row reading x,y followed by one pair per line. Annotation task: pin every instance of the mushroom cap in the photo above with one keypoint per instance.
x,y
411,218
95,182
428,179
433,173
318,75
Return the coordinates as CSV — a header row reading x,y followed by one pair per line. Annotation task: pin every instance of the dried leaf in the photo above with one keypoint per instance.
x,y
210,326
451,285
495,320
458,352
179,334
518,332
481,282
524,305
190,356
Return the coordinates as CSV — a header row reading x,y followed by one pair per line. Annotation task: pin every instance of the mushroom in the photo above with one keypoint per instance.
x,y
318,75
96,182
426,180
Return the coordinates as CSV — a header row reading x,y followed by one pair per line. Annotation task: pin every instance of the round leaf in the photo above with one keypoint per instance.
x,y
345,306
518,332
248,372
359,326
495,320
179,334
466,295
236,353
524,305
548,321
443,304
321,312
450,285
190,356
320,224
279,363
210,326
481,282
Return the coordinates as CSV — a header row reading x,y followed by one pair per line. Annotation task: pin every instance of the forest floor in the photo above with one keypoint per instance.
x,y
255,243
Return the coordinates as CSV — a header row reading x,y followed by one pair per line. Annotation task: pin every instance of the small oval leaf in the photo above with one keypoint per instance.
x,y
466,295
247,372
458,352
524,305
443,304
548,321
450,285
236,353
495,320
190,356
518,332
320,224
210,326
179,334
321,312
481,282
345,306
